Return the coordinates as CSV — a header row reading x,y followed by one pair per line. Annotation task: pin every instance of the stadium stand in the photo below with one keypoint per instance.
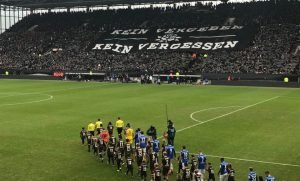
x,y
65,41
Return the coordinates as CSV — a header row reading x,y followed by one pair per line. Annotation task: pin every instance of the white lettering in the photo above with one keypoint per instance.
x,y
218,45
117,49
225,28
231,44
186,45
175,46
153,46
126,32
171,30
163,46
235,27
116,32
107,46
97,47
160,30
143,31
134,31
203,29
213,28
197,45
180,30
127,49
207,46
141,46
189,30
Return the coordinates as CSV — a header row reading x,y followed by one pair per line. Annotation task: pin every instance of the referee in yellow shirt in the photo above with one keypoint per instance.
x,y
91,128
129,133
98,125
119,125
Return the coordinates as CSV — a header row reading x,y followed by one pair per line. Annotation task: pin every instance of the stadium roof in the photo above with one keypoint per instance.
x,y
72,3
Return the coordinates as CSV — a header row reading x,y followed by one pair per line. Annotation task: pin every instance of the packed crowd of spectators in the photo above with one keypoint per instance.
x,y
63,41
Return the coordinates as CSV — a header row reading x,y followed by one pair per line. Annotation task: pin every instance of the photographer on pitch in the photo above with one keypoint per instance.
x,y
152,132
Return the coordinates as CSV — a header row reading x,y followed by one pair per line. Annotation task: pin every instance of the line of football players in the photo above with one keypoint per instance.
x,y
150,156
145,152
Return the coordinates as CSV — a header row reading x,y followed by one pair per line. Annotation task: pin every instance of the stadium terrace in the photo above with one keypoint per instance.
x,y
168,46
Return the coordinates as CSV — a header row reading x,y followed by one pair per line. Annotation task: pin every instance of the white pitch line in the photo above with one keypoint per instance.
x,y
43,93
227,114
249,160
212,108
29,102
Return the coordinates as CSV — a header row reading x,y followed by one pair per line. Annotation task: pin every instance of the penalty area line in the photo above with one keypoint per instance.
x,y
208,109
224,115
227,114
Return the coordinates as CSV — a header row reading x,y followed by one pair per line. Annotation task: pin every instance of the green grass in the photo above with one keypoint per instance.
x,y
40,140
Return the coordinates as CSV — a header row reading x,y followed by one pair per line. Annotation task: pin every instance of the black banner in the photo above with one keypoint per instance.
x,y
208,38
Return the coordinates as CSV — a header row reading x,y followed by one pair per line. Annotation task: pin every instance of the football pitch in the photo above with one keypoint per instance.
x,y
40,123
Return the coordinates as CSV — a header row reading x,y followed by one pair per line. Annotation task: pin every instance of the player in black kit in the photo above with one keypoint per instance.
x,y
157,173
129,163
119,160
211,173
110,154
186,175
166,167
128,149
144,170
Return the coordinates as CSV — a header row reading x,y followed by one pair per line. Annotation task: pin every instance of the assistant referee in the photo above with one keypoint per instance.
x,y
119,125
98,125
91,128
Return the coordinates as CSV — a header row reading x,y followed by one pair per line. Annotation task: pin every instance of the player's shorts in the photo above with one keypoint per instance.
x,y
202,171
122,151
224,177
119,130
110,155
144,151
211,176
165,171
101,149
130,140
92,133
143,174
151,166
129,167
119,162
139,161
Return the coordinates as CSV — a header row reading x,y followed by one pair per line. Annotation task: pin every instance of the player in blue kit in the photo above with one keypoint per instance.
x,y
184,156
155,146
143,142
171,154
223,170
252,175
269,177
201,163
137,137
